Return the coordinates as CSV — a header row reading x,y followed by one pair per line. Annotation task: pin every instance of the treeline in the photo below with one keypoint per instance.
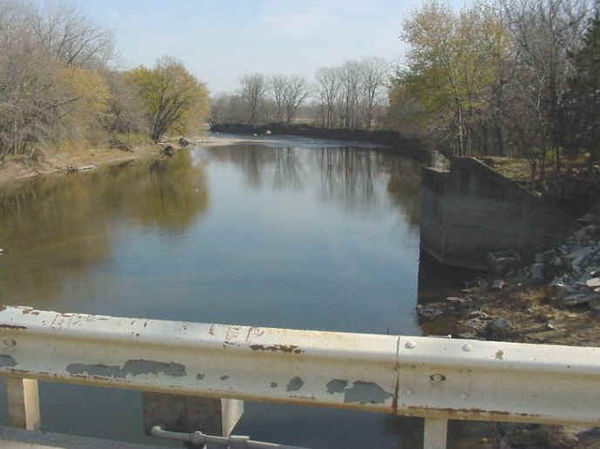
x,y
57,86
351,96
511,78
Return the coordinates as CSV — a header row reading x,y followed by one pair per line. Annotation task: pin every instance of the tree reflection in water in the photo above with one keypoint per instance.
x,y
404,187
56,227
289,172
346,175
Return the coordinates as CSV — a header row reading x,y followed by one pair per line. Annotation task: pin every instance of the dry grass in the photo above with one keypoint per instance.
x,y
73,155
518,169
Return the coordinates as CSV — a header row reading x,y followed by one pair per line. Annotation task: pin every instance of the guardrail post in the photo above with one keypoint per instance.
x,y
231,412
23,403
435,433
191,413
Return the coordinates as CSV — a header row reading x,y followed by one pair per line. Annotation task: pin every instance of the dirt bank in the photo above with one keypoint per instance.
x,y
20,168
555,300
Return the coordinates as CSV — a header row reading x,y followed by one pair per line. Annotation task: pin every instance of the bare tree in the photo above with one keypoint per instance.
x,y
228,108
351,93
278,88
374,74
31,102
350,77
71,36
124,107
546,33
296,91
328,89
253,93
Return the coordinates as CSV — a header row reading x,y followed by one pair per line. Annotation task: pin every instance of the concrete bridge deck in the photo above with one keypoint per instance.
x,y
12,438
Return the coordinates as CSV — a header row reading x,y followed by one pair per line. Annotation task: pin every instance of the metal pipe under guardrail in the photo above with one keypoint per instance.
x,y
434,378
232,442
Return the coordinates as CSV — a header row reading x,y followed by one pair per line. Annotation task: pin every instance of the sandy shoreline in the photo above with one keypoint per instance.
x,y
16,169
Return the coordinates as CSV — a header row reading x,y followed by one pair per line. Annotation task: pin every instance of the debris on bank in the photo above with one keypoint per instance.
x,y
558,291
553,300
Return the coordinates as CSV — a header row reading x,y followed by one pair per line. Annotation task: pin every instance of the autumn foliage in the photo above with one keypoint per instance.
x,y
57,87
515,78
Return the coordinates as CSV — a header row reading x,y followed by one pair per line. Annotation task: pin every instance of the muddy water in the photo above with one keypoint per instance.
x,y
301,235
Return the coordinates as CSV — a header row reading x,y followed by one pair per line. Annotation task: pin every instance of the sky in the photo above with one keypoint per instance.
x,y
221,40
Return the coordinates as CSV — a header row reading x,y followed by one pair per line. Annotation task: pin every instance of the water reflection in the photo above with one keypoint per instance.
x,y
173,195
404,187
59,227
299,236
250,158
289,172
346,174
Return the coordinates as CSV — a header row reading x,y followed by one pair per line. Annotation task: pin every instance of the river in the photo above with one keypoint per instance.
x,y
298,233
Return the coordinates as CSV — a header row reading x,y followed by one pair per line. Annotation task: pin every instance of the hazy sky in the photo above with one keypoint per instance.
x,y
220,40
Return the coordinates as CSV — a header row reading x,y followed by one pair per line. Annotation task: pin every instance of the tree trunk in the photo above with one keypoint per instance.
x,y
543,164
461,137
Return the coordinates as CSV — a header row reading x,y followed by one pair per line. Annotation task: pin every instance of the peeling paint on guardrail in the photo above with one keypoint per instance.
x,y
417,376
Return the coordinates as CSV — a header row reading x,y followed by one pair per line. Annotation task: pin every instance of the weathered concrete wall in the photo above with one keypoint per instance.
x,y
471,210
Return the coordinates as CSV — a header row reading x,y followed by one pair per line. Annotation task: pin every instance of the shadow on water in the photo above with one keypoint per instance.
x,y
438,281
404,188
59,227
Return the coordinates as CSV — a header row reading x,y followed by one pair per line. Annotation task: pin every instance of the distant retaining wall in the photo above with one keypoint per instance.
x,y
471,210
396,141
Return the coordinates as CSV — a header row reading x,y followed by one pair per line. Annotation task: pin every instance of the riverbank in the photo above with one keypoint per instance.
x,y
555,300
18,168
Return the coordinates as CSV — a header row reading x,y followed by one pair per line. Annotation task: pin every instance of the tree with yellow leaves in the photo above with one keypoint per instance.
x,y
175,101
453,63
90,94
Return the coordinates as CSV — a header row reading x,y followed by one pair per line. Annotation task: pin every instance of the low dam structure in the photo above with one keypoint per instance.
x,y
471,210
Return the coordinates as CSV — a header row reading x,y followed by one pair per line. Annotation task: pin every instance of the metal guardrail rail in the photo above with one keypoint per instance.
x,y
434,378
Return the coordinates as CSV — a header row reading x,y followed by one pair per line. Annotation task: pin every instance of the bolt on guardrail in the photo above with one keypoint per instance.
x,y
231,442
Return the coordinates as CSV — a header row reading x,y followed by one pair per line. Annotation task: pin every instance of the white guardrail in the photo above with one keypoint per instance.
x,y
434,378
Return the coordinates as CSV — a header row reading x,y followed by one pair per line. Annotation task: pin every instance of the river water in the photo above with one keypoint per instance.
x,y
297,233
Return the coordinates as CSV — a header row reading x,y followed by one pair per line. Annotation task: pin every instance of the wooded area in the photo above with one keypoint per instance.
x,y
58,87
352,95
511,78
